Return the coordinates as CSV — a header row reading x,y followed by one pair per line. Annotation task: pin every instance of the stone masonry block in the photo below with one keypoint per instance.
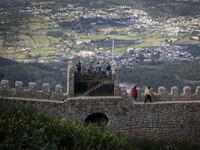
x,y
175,91
162,90
19,86
46,88
198,90
58,89
187,90
5,85
32,87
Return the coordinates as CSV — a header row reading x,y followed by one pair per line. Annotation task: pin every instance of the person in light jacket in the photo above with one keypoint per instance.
x,y
148,94
98,68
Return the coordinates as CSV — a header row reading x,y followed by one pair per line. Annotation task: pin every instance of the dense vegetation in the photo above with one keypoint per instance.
x,y
21,128
167,74
53,73
28,129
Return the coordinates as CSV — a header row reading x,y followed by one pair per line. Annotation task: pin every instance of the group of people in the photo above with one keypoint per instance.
x,y
134,94
98,68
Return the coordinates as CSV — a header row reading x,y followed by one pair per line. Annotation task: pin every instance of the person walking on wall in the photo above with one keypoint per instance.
x,y
148,94
134,94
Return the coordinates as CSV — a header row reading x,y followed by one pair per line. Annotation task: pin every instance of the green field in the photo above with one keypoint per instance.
x,y
120,50
53,39
27,40
1,50
131,36
44,51
32,34
41,41
187,41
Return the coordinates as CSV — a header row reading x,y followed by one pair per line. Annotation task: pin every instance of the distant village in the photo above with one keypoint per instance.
x,y
137,19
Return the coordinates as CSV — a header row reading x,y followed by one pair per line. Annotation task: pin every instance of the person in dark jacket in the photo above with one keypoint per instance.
x,y
78,67
108,69
134,94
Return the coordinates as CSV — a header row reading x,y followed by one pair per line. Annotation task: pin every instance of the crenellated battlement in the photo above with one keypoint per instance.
x,y
88,85
175,94
168,118
32,91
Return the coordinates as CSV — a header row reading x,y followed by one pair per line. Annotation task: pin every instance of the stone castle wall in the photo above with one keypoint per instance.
x,y
58,94
173,121
175,94
32,91
178,118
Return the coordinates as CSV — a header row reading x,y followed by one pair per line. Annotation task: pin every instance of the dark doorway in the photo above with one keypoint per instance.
x,y
97,119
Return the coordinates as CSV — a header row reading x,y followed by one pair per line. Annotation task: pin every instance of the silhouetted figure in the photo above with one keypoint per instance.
x,y
108,69
148,94
78,67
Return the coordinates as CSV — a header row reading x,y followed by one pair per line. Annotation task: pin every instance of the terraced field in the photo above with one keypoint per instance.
x,y
29,37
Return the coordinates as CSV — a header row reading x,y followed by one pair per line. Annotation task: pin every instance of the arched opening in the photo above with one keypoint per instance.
x,y
97,119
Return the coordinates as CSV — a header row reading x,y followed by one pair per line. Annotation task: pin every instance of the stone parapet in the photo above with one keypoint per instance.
x,y
32,91
174,95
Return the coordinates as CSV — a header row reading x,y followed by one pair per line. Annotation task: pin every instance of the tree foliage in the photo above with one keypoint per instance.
x,y
168,74
28,129
53,73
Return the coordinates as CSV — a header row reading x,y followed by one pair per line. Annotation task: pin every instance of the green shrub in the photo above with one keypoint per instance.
x,y
28,129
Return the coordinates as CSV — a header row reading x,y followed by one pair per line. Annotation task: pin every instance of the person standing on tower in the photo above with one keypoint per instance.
x,y
108,69
98,68
78,67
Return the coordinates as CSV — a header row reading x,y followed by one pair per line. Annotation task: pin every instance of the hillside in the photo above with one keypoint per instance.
x,y
44,32
154,75
166,32
52,73
167,75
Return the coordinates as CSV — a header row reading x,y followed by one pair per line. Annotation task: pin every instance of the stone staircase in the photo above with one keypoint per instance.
x,y
93,84
97,87
93,89
88,77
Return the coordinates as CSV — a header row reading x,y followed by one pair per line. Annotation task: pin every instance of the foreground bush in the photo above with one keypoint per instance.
x,y
25,129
